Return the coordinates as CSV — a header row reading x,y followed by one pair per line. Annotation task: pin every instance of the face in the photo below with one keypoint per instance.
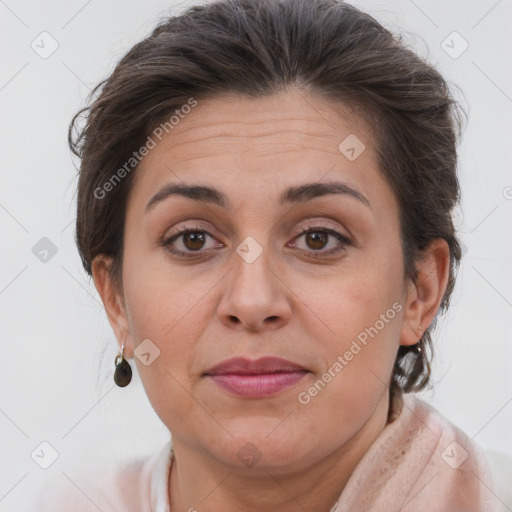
x,y
311,275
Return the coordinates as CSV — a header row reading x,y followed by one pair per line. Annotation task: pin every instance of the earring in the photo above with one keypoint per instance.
x,y
123,372
418,345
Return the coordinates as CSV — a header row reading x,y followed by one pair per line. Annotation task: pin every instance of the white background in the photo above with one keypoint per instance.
x,y
57,349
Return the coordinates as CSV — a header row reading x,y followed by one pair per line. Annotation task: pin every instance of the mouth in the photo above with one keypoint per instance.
x,y
263,377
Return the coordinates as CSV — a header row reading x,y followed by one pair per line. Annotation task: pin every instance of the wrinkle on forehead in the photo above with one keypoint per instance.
x,y
279,129
277,116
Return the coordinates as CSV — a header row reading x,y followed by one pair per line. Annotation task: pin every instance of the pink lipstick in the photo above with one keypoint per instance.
x,y
263,377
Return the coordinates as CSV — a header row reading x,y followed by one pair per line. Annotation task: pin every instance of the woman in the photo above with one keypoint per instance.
x,y
264,204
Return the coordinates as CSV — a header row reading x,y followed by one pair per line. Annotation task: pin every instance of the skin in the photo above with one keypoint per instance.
x,y
306,308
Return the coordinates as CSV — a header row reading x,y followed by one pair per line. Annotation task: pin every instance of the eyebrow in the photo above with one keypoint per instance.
x,y
292,195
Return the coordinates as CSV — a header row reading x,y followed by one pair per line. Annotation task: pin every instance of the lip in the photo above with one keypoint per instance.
x,y
263,365
258,378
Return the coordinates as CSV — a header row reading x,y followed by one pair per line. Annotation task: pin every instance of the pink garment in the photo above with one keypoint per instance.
x,y
420,463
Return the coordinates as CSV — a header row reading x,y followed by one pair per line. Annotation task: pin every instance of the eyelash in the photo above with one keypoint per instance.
x,y
166,242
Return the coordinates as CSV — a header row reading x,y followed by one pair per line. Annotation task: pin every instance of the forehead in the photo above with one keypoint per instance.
x,y
257,144
288,116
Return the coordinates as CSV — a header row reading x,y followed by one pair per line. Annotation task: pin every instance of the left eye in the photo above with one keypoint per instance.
x,y
316,239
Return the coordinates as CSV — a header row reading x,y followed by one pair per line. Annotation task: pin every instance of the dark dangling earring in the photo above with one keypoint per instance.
x,y
123,373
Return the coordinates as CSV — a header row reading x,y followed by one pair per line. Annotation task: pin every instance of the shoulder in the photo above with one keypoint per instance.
x,y
458,463
453,447
138,485
492,467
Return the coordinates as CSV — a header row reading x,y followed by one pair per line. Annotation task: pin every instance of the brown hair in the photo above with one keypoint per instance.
x,y
258,47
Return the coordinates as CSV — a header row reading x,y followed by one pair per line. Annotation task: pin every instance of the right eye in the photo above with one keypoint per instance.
x,y
190,241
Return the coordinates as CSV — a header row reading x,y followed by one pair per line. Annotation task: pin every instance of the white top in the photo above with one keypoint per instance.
x,y
419,462
139,486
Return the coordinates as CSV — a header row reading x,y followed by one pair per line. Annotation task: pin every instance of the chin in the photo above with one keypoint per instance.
x,y
261,449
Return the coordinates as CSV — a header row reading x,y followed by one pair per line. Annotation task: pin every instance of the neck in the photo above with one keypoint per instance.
x,y
200,483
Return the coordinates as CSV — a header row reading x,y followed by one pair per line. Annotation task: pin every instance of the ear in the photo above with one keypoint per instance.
x,y
424,298
113,302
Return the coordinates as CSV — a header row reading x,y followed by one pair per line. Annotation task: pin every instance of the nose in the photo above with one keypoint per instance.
x,y
255,298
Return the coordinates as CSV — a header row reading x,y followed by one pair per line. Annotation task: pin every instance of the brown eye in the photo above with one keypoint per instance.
x,y
193,240
188,241
316,239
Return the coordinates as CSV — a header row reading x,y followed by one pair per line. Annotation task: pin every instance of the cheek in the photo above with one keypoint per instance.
x,y
358,358
161,300
356,298
160,310
360,317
